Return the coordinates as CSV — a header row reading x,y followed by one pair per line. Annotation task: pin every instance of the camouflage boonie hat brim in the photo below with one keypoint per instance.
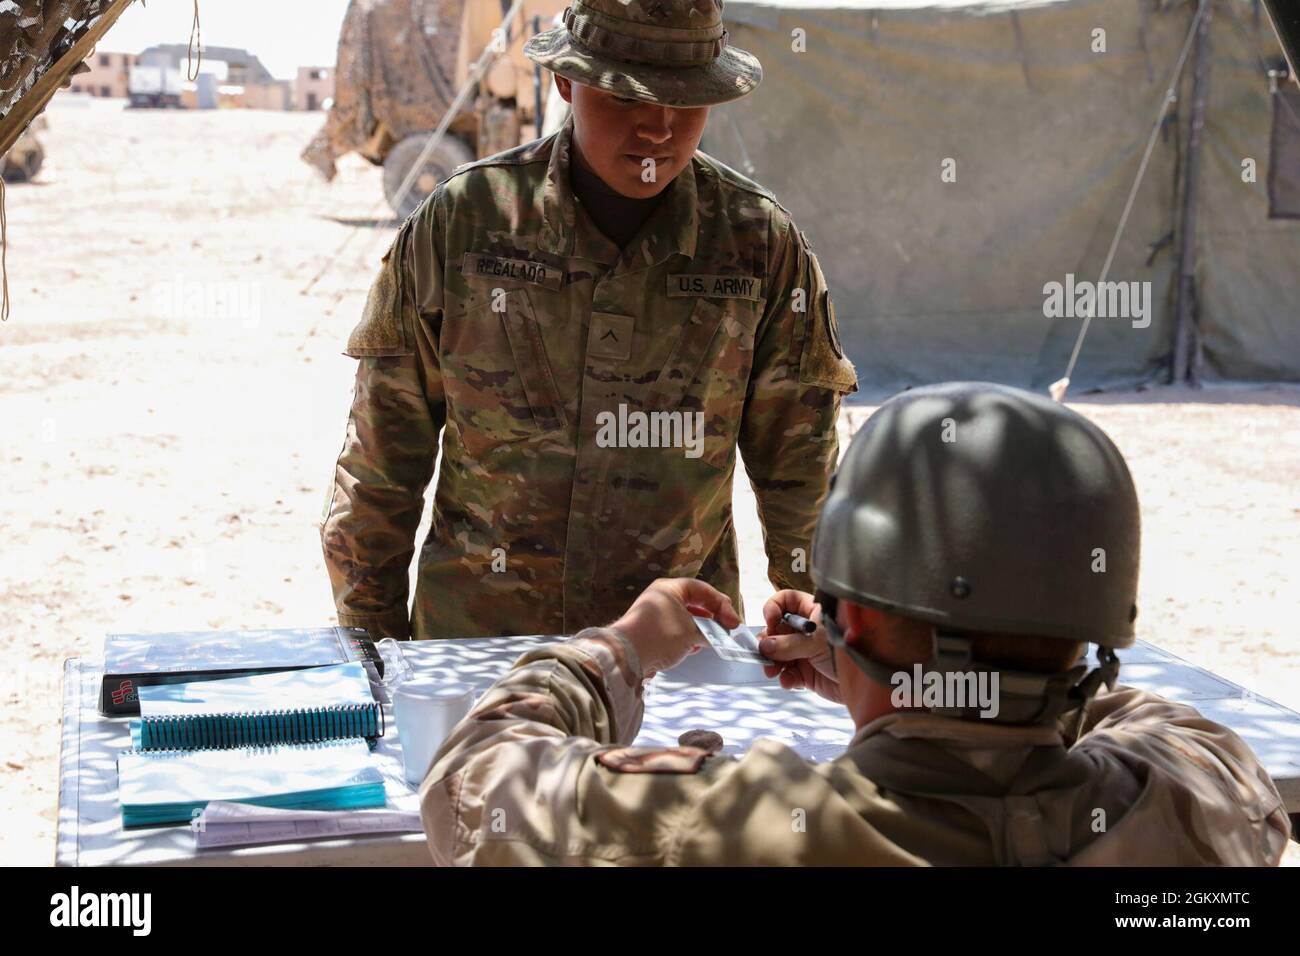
x,y
657,51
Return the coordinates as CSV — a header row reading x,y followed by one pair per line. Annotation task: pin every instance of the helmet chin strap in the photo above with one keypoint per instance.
x,y
1023,697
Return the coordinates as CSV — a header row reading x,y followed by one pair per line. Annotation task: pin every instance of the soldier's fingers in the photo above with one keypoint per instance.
x,y
790,647
727,615
788,600
727,619
792,679
699,596
786,675
772,614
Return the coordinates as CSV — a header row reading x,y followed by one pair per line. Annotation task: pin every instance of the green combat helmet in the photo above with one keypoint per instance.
x,y
977,507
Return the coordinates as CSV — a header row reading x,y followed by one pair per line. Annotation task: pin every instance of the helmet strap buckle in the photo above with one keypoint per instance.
x,y
1106,673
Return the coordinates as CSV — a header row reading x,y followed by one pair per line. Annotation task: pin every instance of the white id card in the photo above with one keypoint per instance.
x,y
739,644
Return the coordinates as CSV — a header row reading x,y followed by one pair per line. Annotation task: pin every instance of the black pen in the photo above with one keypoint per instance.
x,y
799,622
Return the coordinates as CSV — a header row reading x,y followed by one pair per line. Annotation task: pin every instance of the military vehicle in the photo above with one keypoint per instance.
x,y
389,97
155,86
24,159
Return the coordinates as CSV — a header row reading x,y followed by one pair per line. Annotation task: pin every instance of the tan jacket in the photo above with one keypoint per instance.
x,y
540,772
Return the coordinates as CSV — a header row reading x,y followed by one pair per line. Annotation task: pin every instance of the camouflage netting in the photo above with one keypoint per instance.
x,y
33,36
396,67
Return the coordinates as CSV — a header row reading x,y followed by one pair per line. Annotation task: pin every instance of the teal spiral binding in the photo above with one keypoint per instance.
x,y
260,728
252,750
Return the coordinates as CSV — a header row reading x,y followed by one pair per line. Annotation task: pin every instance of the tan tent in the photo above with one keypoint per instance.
x,y
949,161
855,126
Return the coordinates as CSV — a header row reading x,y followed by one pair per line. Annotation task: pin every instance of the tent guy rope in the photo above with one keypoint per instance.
x,y
1058,388
192,66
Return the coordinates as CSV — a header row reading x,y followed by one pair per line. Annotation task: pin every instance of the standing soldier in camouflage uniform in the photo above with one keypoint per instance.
x,y
962,539
543,310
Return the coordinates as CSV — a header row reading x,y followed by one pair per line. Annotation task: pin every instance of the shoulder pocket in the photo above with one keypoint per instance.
x,y
823,362
385,327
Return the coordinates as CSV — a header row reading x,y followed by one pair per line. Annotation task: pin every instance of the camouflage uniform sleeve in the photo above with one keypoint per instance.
x,y
506,786
1232,812
391,444
540,773
787,438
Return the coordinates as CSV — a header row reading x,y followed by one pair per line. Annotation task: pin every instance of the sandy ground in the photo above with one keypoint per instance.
x,y
172,405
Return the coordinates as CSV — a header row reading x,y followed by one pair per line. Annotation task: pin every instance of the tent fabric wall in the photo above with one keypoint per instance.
x,y
1248,274
938,280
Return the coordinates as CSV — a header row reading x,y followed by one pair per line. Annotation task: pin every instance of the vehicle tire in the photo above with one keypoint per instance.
x,y
442,162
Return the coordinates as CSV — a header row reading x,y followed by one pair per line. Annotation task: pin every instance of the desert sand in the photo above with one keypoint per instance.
x,y
173,404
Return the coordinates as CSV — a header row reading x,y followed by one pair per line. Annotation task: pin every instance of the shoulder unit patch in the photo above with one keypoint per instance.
x,y
653,759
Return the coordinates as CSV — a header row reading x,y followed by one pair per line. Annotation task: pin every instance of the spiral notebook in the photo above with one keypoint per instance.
x,y
173,786
301,706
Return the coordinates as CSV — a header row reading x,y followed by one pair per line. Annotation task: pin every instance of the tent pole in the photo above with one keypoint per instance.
x,y
1186,359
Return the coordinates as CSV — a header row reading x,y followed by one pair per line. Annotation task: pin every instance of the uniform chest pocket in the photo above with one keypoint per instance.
x,y
497,378
708,373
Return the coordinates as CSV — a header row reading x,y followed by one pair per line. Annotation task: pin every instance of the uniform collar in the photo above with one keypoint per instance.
x,y
958,761
672,228
984,733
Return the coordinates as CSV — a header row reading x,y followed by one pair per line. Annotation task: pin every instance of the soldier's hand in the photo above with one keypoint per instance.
x,y
803,660
660,623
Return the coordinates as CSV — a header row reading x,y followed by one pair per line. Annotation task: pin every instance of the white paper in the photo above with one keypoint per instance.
x,y
339,685
241,824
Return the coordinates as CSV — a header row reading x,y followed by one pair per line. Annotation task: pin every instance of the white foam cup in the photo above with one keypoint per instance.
x,y
427,710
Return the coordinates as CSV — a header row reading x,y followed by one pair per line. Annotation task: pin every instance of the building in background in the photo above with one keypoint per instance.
x,y
228,78
313,88
275,95
107,76
241,67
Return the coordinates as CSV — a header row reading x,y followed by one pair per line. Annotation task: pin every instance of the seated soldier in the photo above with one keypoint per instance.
x,y
976,536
